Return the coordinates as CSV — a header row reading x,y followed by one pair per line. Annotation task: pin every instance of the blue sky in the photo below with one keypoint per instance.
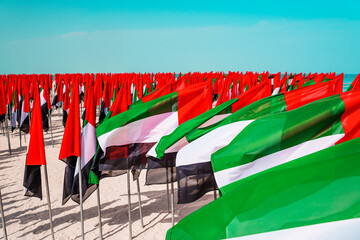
x,y
174,36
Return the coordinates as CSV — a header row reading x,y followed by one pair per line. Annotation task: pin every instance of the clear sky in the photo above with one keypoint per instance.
x,y
173,36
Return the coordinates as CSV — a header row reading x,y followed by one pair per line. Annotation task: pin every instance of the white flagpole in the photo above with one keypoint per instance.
x,y
167,187
81,200
49,202
8,135
129,203
99,211
140,208
20,135
52,138
172,203
3,217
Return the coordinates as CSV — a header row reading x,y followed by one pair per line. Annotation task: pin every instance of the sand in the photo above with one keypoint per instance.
x,y
28,218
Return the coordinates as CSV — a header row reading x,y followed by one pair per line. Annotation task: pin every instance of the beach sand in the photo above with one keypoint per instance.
x,y
28,218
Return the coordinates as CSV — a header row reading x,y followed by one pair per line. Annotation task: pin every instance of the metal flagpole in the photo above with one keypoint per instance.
x,y
167,187
52,138
172,197
49,202
172,203
140,208
3,217
8,135
99,211
129,203
20,135
81,202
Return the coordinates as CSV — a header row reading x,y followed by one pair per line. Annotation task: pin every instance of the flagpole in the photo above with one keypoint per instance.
x,y
49,202
52,138
8,135
3,217
129,203
140,208
167,187
172,203
81,200
20,135
99,211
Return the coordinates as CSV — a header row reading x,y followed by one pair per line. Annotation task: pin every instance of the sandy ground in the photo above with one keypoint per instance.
x,y
28,218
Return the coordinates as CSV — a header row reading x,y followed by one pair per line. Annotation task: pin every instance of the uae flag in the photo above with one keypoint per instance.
x,y
70,149
88,149
286,137
312,197
128,136
66,104
24,117
35,152
14,111
2,101
193,162
355,85
161,157
45,105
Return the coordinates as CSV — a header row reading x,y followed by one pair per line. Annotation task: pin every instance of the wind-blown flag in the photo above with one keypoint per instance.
x,y
24,123
71,144
161,157
35,152
128,136
2,101
355,85
45,105
193,162
313,197
161,167
88,149
287,136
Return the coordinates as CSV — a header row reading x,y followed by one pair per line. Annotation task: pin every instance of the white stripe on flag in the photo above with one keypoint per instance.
x,y
344,230
200,150
88,145
234,174
214,119
146,130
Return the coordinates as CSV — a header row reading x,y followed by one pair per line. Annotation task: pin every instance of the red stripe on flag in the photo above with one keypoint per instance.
x,y
194,100
351,117
36,148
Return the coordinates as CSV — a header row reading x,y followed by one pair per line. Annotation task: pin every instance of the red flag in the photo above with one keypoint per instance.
x,y
71,143
36,148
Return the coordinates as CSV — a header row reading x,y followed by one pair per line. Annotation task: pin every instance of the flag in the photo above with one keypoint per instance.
x,y
128,136
2,101
355,85
286,136
35,156
70,148
193,162
24,123
45,104
161,167
161,157
66,104
313,197
88,149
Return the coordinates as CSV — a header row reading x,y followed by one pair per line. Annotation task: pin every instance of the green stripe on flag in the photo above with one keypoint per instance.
x,y
274,133
263,107
139,111
168,140
318,188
